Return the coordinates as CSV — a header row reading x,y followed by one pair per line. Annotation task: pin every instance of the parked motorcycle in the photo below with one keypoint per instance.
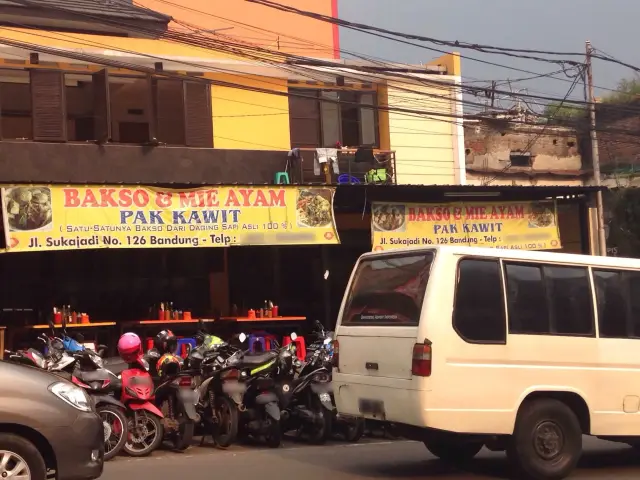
x,y
305,400
220,393
146,430
261,373
174,391
101,386
351,428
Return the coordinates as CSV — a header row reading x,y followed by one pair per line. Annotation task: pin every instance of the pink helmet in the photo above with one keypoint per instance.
x,y
130,347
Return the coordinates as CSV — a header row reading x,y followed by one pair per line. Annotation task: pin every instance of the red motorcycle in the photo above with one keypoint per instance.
x,y
146,430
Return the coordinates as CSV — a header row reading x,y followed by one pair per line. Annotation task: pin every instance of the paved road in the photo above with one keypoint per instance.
x,y
370,459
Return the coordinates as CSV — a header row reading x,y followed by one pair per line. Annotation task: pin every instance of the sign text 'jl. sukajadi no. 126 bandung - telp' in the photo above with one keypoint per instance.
x,y
516,225
63,218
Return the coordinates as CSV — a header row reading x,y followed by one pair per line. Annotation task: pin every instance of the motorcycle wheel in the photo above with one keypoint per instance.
x,y
273,438
116,429
183,438
139,434
225,431
353,431
319,433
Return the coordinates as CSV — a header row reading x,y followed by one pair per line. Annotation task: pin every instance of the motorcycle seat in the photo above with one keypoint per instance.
x,y
255,359
115,366
92,375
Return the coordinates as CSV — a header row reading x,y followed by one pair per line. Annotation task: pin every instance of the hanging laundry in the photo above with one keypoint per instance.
x,y
326,155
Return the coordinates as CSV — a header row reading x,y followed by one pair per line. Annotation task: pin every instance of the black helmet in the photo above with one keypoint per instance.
x,y
165,342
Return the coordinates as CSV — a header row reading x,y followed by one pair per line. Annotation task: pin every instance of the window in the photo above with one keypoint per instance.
x,y
323,118
388,291
479,315
519,159
526,299
612,304
633,279
552,300
570,300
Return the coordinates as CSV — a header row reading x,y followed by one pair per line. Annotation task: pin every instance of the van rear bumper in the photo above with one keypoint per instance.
x,y
400,403
412,407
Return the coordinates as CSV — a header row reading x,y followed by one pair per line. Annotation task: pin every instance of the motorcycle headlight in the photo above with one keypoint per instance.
x,y
72,395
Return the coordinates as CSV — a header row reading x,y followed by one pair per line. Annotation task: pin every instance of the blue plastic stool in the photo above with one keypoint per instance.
x,y
253,339
281,178
185,341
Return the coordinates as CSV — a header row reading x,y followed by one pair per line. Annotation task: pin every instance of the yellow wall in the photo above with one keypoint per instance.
x,y
425,146
250,120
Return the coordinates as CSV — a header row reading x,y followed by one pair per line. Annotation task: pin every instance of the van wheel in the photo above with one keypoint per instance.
x,y
20,458
453,451
547,440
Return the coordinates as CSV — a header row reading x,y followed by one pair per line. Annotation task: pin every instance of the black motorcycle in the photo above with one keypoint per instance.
x,y
219,391
351,428
262,374
305,399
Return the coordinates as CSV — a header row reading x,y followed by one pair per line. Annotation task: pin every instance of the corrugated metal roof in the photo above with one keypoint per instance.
x,y
100,8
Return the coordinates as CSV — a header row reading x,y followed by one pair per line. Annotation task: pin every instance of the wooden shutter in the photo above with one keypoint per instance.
x,y
101,106
170,112
49,108
304,120
198,115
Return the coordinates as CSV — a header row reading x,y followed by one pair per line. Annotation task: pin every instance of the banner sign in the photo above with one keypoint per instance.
x,y
66,218
514,225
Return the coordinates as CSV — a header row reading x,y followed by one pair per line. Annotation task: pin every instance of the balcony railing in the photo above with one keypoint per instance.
x,y
355,166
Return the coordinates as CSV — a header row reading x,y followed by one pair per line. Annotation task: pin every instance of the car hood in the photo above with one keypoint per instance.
x,y
15,374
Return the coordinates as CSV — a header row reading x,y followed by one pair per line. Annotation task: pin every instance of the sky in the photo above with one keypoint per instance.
x,y
552,25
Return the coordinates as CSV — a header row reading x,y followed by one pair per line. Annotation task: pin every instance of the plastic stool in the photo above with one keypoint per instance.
x,y
281,178
270,340
301,351
253,339
182,346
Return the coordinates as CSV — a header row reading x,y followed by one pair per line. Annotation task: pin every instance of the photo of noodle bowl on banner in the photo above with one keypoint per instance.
x,y
514,225
69,217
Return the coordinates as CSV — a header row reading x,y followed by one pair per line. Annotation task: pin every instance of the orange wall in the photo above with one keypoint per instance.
x,y
289,32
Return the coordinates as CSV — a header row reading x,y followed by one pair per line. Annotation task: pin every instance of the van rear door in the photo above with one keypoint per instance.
x,y
381,315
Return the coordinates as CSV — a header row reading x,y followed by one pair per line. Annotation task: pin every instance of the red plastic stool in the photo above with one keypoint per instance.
x,y
301,351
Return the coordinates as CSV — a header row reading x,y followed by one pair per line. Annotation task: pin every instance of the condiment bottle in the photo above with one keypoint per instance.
x,y
161,311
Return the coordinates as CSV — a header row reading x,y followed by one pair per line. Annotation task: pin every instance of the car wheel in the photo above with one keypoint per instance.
x,y
547,440
453,451
19,458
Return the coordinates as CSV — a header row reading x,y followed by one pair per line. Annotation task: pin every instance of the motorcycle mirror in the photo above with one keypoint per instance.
x,y
293,336
188,348
327,341
242,337
326,274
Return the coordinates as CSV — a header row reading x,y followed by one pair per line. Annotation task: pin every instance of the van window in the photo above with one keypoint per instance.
x,y
634,302
479,315
612,304
526,299
570,300
388,290
549,300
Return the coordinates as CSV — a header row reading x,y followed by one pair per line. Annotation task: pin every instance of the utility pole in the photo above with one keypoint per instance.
x,y
595,157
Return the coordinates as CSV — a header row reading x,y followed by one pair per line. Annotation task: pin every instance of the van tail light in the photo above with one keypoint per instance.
x,y
335,359
421,360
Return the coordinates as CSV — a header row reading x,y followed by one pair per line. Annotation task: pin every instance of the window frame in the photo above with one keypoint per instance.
x,y
501,274
316,93
400,254
541,265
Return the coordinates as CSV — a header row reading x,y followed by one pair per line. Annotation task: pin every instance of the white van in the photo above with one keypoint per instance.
x,y
514,350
